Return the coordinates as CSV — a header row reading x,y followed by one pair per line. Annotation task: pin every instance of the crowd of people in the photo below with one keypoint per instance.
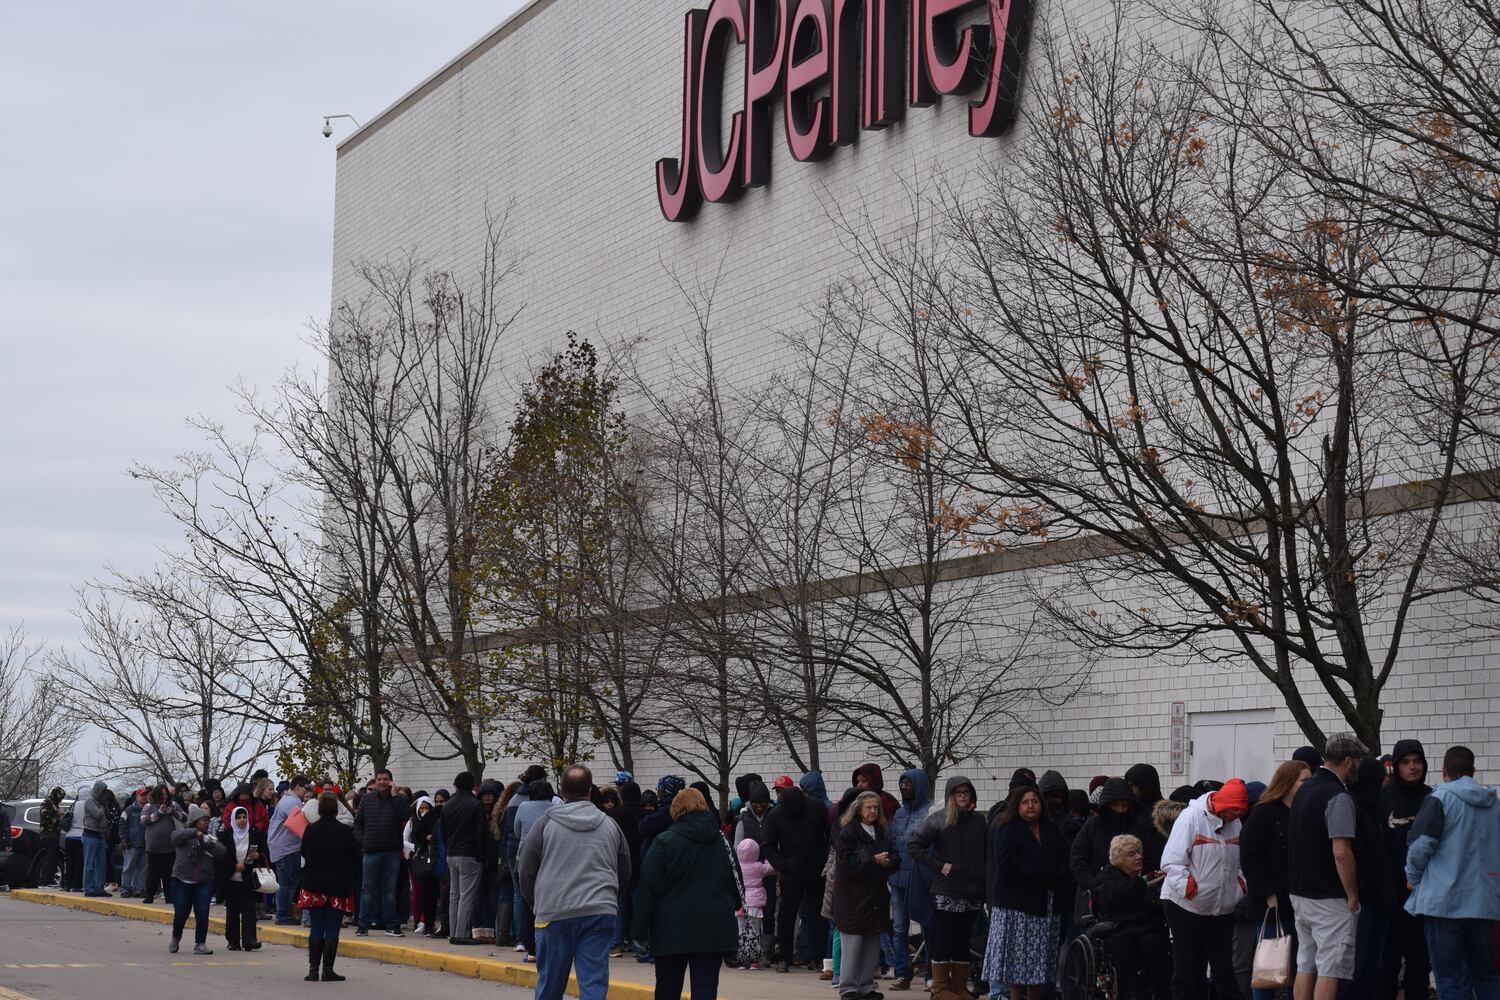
x,y
1378,879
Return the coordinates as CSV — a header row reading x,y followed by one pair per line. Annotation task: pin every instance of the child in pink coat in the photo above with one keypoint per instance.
x,y
755,872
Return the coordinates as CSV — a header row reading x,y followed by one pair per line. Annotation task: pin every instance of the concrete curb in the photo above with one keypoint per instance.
x,y
487,969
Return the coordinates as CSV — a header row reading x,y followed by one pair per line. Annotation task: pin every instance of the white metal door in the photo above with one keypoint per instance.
x,y
1238,744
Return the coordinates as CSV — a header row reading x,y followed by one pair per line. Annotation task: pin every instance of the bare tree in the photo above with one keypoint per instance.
x,y
1164,363
39,729
696,557
150,681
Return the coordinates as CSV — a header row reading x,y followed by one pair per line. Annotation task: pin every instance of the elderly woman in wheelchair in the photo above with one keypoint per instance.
x,y
1124,952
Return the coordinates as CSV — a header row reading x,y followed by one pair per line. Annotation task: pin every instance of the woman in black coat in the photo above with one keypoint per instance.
x,y
861,892
953,843
330,870
1263,852
244,850
1031,869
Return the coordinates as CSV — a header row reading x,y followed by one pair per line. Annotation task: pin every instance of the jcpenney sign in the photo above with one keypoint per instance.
x,y
836,67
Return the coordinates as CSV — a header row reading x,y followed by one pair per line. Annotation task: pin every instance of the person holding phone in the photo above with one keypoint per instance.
x,y
193,875
244,851
1139,950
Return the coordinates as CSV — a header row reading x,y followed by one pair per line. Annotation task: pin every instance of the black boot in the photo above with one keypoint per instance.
x,y
329,954
314,958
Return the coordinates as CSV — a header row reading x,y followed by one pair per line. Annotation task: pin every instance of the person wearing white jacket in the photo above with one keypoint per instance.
x,y
1203,884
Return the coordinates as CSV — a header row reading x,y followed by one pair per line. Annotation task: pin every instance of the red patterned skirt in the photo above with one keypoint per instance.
x,y
318,900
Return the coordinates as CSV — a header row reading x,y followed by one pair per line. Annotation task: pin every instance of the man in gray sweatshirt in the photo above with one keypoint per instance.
x,y
95,854
573,867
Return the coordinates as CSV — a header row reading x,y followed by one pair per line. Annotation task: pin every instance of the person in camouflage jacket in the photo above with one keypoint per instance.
x,y
51,828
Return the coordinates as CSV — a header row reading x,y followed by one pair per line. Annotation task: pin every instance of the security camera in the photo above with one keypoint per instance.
x,y
327,130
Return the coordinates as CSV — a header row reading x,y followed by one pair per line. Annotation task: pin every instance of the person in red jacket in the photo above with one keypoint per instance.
x,y
867,778
260,819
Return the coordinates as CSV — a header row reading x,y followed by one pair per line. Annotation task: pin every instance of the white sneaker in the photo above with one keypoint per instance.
x,y
520,948
419,928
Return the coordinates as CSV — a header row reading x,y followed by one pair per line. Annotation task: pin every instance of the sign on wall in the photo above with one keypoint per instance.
x,y
1179,737
836,68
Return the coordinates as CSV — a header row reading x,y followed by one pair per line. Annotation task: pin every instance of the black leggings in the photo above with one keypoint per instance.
x,y
427,890
952,931
702,970
159,874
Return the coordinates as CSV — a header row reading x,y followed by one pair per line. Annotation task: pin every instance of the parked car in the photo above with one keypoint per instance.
x,y
26,814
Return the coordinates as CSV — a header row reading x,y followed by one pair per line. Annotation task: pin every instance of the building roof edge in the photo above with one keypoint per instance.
x,y
506,28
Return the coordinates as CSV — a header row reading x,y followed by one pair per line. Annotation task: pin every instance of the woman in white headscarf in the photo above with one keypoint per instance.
x,y
245,850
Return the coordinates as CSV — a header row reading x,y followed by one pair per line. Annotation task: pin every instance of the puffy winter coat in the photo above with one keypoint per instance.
x,y
380,820
796,838
964,845
1202,861
754,871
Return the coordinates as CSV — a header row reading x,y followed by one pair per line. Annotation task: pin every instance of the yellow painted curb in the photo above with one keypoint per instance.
x,y
487,969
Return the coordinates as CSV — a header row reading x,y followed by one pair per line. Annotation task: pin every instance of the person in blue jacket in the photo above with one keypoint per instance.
x,y
1453,866
916,803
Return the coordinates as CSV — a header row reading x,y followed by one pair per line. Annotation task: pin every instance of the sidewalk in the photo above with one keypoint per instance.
x,y
628,979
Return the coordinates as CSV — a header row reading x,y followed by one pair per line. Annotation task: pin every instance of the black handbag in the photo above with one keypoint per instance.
x,y
420,864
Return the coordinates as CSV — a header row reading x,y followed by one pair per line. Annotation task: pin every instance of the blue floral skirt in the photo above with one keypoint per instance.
x,y
1022,949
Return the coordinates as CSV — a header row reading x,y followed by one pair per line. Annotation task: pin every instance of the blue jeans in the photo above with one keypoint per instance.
x,y
93,861
288,882
379,896
194,896
898,956
1369,956
325,922
134,876
1460,955
581,942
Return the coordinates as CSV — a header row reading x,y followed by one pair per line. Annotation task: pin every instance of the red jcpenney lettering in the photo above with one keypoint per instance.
x,y
837,67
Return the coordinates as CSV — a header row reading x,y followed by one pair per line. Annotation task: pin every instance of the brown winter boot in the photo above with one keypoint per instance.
x,y
958,981
940,972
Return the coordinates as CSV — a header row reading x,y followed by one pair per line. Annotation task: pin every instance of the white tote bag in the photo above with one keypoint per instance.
x,y
1272,969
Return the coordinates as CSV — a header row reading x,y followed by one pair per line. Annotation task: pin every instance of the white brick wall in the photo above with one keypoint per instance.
x,y
536,121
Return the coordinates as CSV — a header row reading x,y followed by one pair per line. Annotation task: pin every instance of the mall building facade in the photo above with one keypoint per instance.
x,y
570,118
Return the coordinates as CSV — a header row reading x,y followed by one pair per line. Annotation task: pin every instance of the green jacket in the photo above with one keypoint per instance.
x,y
688,896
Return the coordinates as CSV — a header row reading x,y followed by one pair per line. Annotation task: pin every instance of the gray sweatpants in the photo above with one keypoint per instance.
x,y
859,961
464,877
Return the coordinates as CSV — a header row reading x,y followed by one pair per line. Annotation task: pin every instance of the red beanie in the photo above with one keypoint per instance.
x,y
1232,796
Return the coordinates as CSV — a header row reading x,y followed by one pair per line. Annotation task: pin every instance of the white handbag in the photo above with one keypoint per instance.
x,y
265,880
1272,968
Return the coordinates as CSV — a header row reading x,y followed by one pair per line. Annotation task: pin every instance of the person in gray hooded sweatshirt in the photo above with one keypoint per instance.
x,y
95,854
574,866
193,876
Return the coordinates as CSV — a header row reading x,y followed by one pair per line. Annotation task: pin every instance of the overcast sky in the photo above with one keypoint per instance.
x,y
166,220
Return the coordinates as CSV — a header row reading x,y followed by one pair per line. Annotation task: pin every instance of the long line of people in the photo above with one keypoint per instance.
x,y
1375,881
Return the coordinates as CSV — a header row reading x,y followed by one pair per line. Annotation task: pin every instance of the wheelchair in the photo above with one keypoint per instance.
x,y
1087,972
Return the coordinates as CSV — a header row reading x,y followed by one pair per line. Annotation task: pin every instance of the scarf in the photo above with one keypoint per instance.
x,y
241,837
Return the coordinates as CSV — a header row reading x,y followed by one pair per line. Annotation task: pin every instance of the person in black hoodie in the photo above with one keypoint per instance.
x,y
953,844
795,842
1119,813
1145,785
1406,964
628,815
1372,869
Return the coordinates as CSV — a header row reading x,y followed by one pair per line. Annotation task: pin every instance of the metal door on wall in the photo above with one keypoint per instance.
x,y
1240,744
